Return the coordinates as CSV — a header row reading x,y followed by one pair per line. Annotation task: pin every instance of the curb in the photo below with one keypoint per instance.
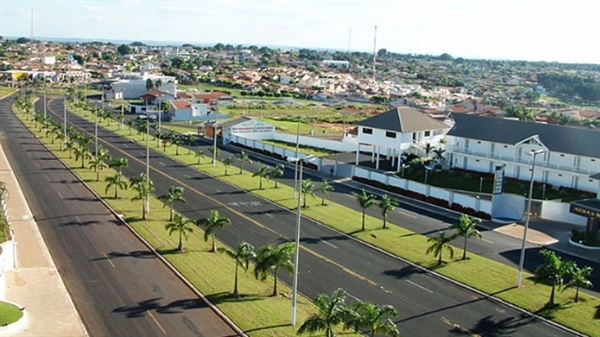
x,y
17,326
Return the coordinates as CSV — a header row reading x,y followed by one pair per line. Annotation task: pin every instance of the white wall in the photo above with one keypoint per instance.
x,y
559,211
332,145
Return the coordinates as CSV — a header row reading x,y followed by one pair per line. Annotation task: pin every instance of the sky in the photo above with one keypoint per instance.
x,y
532,30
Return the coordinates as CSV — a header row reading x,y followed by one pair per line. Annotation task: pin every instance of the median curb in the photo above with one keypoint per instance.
x,y
17,326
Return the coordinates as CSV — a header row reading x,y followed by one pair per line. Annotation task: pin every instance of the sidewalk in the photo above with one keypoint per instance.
x,y
35,284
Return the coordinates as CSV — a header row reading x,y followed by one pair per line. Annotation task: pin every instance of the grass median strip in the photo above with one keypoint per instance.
x,y
255,312
486,275
9,313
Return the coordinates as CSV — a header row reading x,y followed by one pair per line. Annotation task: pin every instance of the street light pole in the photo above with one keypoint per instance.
x,y
147,158
215,144
522,258
45,114
296,164
65,117
297,250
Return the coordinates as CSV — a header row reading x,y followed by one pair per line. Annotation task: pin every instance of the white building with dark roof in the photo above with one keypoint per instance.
x,y
571,155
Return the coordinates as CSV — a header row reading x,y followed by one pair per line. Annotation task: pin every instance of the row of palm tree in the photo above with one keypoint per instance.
x,y
466,227
366,200
361,316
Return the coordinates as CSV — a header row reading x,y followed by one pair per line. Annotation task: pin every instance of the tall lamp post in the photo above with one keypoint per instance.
x,y
65,117
147,157
534,153
298,162
296,188
214,144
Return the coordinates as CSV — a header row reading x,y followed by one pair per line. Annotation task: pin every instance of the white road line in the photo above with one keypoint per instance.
x,y
218,191
327,243
163,164
407,214
354,297
187,175
60,195
267,214
419,286
488,241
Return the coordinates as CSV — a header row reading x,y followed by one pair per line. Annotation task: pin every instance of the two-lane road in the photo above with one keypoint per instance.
x,y
118,286
428,305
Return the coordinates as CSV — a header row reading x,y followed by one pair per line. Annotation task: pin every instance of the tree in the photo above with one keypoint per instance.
x,y
552,272
579,279
242,157
189,138
199,154
82,153
365,201
386,204
149,84
117,181
276,172
261,172
214,150
124,49
97,163
332,311
377,319
438,244
175,193
181,226
439,154
177,141
227,162
129,122
211,223
324,188
308,188
242,256
270,259
119,163
428,148
143,187
467,228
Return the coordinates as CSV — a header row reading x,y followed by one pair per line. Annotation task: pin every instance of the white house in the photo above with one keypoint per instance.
x,y
49,59
134,85
571,157
186,111
398,130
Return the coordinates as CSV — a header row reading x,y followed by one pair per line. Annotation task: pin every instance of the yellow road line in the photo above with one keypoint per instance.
x,y
407,214
465,330
108,259
156,321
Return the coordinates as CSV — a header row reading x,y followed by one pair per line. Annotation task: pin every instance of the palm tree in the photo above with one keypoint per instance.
x,y
579,279
69,146
181,226
190,139
552,272
438,244
143,187
307,188
227,162
129,122
214,150
119,163
211,223
332,311
82,153
198,154
467,228
386,204
428,148
324,188
377,319
175,193
276,172
116,181
439,155
177,141
242,256
261,172
60,136
365,201
243,156
272,258
149,84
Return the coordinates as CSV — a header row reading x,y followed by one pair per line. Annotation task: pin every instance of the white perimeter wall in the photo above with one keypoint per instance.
x,y
559,211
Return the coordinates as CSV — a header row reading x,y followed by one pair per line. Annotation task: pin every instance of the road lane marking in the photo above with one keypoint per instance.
x,y
488,241
163,164
267,214
156,321
109,261
247,218
419,286
60,195
407,214
327,243
187,176
447,321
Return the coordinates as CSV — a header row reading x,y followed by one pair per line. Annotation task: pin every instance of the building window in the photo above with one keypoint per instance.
x,y
477,160
427,134
390,134
367,131
478,142
593,159
560,175
505,146
562,155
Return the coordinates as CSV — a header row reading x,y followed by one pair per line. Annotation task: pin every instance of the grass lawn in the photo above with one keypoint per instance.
x,y
302,148
487,275
9,313
7,91
211,273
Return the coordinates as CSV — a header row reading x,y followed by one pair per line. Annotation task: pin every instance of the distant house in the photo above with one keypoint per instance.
x,y
481,143
399,130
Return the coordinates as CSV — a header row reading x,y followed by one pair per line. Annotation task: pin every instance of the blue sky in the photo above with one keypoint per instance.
x,y
564,31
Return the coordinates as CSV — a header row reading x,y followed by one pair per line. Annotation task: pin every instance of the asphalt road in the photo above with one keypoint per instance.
x,y
427,304
118,286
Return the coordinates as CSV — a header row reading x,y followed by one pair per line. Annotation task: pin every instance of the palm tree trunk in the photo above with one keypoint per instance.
x,y
171,213
384,222
363,220
116,191
323,201
214,246
143,210
576,294
275,291
304,202
440,259
465,250
551,302
235,282
180,246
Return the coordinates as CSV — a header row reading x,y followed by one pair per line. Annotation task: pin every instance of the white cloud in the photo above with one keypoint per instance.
x,y
94,9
